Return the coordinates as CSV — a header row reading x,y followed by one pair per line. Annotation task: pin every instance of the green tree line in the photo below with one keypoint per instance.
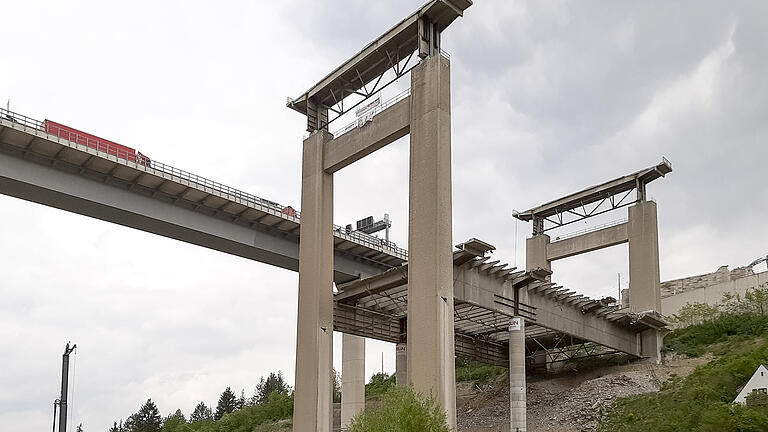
x,y
272,400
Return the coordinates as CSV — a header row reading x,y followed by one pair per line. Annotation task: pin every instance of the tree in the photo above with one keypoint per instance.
x,y
79,428
695,313
227,404
274,383
146,420
173,421
117,427
336,386
201,413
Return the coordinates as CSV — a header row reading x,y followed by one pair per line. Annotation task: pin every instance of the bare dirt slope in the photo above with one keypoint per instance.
x,y
569,401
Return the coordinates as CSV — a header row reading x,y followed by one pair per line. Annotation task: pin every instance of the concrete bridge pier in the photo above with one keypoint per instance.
x,y
314,340
352,377
517,386
644,277
401,365
431,368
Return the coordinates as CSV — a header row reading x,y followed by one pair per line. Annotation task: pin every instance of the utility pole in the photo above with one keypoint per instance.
x,y
62,401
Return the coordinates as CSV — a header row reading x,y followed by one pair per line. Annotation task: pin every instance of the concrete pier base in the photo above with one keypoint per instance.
x,y
517,387
352,377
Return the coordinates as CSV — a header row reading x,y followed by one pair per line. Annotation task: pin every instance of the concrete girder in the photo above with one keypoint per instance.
x,y
387,127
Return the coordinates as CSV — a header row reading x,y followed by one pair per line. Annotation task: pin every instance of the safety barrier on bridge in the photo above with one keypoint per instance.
x,y
228,192
368,116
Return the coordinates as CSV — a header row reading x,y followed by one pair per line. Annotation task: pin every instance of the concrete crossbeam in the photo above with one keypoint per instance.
x,y
387,127
588,242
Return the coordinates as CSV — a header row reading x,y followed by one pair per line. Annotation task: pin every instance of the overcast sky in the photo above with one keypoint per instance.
x,y
548,98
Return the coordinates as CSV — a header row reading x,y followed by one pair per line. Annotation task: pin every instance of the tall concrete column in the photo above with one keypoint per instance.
x,y
352,377
517,401
536,253
401,365
430,259
644,280
314,341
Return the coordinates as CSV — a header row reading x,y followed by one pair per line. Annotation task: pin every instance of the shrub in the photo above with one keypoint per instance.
x,y
402,410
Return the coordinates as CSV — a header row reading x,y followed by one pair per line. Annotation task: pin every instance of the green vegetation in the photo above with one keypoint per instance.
x,y
700,402
380,383
402,410
268,410
470,370
733,321
734,331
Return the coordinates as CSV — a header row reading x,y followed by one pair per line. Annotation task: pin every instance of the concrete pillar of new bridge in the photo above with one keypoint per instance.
x,y
644,279
517,387
352,377
430,260
536,253
401,365
314,340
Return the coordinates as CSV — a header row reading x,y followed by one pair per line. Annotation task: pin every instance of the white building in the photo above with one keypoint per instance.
x,y
758,383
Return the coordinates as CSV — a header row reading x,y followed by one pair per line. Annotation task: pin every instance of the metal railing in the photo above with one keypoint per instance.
x,y
186,177
365,118
590,229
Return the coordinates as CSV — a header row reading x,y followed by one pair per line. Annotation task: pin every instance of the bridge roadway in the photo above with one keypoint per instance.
x,y
158,198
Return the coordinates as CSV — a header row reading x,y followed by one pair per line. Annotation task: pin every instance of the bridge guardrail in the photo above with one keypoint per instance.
x,y
227,191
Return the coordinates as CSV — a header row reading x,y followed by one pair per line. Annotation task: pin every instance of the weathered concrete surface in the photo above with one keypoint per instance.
x,y
644,279
352,377
401,365
536,253
588,242
314,341
517,387
430,267
713,294
385,128
566,318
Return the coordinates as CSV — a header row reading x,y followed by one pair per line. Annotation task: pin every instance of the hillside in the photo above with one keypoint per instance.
x,y
569,401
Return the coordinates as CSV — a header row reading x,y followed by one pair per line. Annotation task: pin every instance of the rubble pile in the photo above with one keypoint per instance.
x,y
567,402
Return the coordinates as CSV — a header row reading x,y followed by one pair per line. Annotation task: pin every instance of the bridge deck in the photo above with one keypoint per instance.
x,y
161,199
26,138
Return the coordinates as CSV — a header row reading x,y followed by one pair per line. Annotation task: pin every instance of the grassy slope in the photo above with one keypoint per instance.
x,y
702,401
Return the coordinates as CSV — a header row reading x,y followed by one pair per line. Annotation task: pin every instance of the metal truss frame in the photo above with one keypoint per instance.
x,y
572,215
567,348
399,68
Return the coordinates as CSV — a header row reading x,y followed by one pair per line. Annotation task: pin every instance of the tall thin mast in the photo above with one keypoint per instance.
x,y
64,387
